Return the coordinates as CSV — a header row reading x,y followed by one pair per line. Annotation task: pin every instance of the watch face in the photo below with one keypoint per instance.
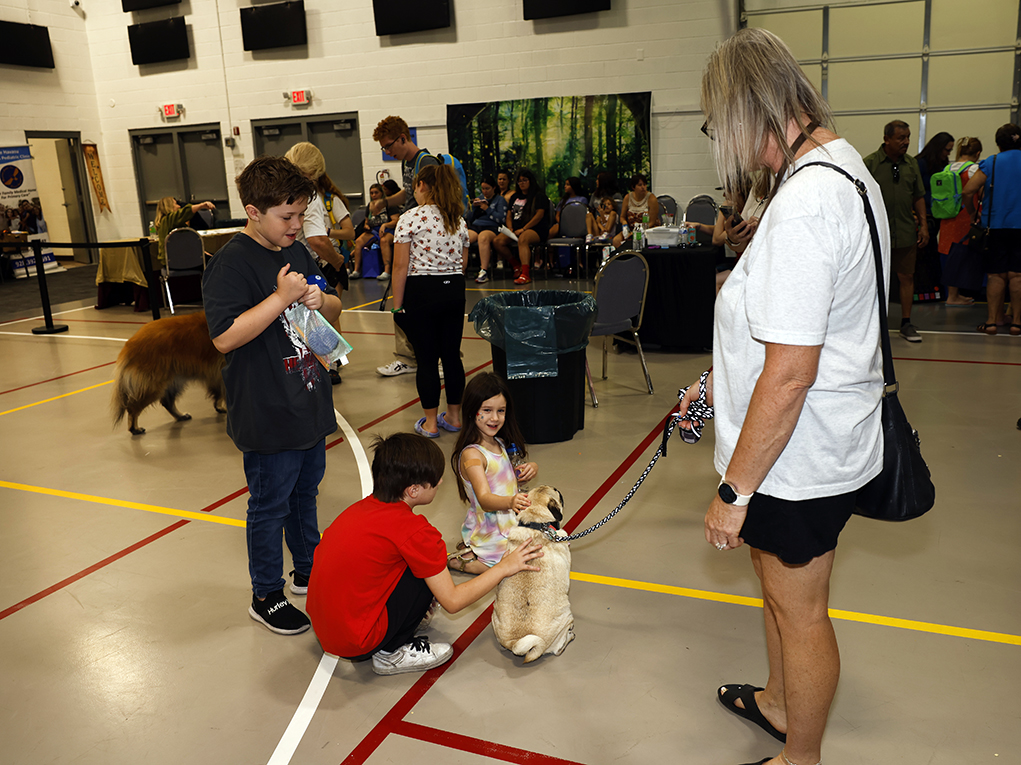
x,y
727,494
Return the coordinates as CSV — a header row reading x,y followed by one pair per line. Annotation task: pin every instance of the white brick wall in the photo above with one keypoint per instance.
x,y
490,53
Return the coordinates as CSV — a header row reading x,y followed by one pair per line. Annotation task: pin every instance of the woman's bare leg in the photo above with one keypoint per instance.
x,y
386,251
486,239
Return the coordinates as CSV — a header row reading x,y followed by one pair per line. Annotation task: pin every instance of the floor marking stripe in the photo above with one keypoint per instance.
x,y
849,616
55,398
43,318
65,336
95,567
60,377
477,746
962,361
124,503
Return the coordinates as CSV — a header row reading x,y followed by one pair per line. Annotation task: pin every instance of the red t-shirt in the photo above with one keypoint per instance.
x,y
359,561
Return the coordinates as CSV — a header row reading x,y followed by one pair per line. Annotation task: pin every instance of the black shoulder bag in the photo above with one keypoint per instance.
x,y
904,489
978,236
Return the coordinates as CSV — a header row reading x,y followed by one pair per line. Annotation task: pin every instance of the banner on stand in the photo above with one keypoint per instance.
x,y
20,210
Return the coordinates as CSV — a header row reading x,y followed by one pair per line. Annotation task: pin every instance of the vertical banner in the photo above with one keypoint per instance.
x,y
91,153
20,210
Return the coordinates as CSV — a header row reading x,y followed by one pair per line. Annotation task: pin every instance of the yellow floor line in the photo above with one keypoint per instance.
x,y
55,398
124,503
631,584
850,616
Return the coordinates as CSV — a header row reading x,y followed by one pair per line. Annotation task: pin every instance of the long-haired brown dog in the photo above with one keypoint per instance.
x,y
159,360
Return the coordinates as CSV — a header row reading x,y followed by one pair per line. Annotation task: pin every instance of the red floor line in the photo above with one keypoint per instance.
x,y
393,721
411,403
94,567
962,361
61,377
476,746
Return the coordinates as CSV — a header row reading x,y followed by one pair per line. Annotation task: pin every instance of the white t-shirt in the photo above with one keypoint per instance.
x,y
316,218
808,278
434,252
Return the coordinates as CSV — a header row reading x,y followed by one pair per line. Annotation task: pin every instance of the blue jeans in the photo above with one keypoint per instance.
x,y
282,498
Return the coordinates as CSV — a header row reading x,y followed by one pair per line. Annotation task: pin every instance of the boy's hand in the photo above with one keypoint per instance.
x,y
520,502
313,298
517,560
291,286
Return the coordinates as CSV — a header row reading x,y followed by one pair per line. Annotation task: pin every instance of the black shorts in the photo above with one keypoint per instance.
x,y
796,531
1004,253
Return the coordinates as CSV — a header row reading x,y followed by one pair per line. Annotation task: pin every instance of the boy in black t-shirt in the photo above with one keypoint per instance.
x,y
279,399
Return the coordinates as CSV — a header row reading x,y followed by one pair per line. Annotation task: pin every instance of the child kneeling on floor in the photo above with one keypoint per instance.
x,y
380,564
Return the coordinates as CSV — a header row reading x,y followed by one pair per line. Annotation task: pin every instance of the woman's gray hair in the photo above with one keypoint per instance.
x,y
752,87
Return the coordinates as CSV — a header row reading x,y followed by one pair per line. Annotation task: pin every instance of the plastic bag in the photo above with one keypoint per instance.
x,y
328,345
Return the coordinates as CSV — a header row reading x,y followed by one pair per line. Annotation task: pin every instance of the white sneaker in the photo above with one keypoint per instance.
x,y
417,656
395,368
383,277
482,278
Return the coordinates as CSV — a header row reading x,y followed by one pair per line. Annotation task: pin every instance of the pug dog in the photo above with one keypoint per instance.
x,y
532,614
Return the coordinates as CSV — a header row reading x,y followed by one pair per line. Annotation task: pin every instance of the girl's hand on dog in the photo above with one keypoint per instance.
x,y
517,560
520,502
291,286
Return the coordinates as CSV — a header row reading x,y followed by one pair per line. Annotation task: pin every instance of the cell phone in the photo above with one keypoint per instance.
x,y
735,219
727,210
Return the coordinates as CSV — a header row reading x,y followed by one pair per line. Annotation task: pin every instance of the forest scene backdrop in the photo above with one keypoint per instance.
x,y
556,138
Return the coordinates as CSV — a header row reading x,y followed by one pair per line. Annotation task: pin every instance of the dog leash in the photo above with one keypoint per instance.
x,y
698,412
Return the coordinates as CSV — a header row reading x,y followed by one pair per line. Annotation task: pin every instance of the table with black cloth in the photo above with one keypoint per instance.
x,y
679,301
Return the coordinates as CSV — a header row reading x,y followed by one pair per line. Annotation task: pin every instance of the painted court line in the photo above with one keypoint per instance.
x,y
55,398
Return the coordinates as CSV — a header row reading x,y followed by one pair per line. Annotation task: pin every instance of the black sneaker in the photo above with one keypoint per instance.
x,y
278,614
299,583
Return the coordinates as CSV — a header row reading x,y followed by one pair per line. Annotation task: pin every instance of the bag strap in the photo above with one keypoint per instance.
x,y
889,376
992,182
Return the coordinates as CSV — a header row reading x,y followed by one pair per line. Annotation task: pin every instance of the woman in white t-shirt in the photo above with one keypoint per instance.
x,y
430,256
797,372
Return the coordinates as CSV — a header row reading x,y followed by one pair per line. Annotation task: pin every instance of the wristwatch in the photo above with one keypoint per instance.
x,y
729,495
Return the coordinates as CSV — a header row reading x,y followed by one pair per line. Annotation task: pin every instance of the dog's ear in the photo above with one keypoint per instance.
x,y
556,508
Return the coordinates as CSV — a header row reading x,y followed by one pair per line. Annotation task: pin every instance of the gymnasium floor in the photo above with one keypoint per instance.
x,y
125,637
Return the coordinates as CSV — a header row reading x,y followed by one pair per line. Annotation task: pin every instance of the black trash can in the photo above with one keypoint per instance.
x,y
538,342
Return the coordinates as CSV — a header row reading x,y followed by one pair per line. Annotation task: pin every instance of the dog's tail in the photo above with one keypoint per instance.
x,y
530,646
128,389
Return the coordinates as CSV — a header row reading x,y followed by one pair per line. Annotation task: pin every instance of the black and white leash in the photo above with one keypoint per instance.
x,y
698,412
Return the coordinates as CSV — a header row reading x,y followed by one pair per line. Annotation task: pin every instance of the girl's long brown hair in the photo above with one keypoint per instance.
x,y
445,188
478,390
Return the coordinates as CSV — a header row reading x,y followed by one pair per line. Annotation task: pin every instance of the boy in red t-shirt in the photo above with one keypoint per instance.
x,y
379,566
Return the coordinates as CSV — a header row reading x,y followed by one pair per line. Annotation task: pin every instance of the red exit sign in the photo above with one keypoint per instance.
x,y
301,96
170,110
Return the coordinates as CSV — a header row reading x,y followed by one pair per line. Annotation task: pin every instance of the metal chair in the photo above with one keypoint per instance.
x,y
668,204
620,289
572,231
184,258
702,209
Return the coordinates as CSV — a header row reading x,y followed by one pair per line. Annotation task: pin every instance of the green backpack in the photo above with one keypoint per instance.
x,y
946,192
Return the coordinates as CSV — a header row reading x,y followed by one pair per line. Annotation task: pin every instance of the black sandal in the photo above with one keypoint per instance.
x,y
728,694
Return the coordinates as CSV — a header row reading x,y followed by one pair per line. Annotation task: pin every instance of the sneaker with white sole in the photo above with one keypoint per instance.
x,y
482,278
416,656
383,277
909,333
299,583
277,613
395,368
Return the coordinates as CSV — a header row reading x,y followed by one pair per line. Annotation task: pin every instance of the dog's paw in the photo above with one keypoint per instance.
x,y
183,417
137,431
220,409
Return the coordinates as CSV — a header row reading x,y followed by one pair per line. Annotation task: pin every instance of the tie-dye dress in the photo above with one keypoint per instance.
x,y
486,533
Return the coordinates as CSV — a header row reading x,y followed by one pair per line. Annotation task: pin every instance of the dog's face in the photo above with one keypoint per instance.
x,y
547,507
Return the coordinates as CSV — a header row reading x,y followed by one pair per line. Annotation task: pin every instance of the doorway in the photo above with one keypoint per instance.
x,y
182,162
335,135
59,168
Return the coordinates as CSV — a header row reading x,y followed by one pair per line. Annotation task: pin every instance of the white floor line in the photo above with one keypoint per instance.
x,y
43,318
321,679
62,335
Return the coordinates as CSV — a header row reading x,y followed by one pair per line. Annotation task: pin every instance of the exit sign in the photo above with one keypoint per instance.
x,y
171,110
301,96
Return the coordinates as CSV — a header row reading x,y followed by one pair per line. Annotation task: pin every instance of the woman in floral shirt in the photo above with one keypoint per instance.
x,y
430,256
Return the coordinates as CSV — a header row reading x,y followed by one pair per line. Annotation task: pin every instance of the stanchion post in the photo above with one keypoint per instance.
x,y
50,328
151,277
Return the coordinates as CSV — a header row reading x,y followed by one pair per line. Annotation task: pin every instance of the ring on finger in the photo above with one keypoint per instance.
x,y
721,546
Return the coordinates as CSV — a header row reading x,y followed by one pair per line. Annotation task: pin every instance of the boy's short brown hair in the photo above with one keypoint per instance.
x,y
390,129
273,181
403,460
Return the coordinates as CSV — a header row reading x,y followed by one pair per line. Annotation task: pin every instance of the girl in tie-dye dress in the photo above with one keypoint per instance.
x,y
489,483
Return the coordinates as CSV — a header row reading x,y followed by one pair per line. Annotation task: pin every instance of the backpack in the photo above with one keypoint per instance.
x,y
450,159
946,192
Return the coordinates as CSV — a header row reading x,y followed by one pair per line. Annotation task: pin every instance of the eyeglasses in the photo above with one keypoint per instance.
x,y
390,145
896,173
708,131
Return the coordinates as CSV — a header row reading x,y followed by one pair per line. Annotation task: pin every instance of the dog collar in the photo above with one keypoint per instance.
x,y
546,528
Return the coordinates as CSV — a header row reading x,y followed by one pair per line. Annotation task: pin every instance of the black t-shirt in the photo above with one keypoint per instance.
x,y
408,173
279,396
